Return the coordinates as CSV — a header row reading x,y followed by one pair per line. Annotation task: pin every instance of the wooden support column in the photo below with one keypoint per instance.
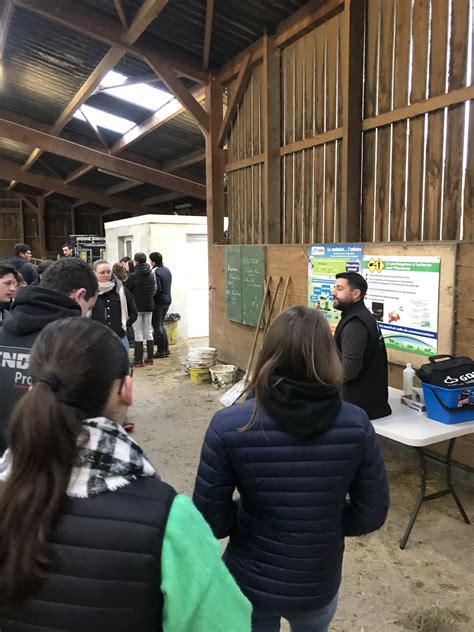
x,y
21,223
271,141
214,164
41,229
352,42
73,219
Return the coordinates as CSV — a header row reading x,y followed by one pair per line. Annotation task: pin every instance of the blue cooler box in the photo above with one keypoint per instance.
x,y
449,405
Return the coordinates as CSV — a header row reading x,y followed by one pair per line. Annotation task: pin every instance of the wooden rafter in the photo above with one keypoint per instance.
x,y
111,58
133,81
161,199
95,129
10,170
121,13
104,28
185,161
149,10
208,34
244,76
62,147
5,25
184,96
123,186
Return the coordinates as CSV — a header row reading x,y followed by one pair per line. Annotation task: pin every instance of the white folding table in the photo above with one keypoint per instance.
x,y
419,432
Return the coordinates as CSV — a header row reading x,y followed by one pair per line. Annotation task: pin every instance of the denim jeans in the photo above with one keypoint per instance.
x,y
309,621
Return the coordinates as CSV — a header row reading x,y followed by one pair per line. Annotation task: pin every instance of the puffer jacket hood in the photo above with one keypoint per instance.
x,y
142,268
34,307
302,408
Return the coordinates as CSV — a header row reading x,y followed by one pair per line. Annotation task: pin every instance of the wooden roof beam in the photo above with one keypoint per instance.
x,y
184,96
121,13
100,26
149,11
185,161
12,171
62,147
161,199
5,25
242,81
123,186
208,34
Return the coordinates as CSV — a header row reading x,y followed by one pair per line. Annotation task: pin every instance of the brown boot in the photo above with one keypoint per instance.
x,y
138,356
149,351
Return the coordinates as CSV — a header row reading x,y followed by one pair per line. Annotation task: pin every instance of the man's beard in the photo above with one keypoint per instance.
x,y
342,305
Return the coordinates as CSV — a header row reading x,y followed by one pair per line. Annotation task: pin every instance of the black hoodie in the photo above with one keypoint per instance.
x,y
301,408
34,307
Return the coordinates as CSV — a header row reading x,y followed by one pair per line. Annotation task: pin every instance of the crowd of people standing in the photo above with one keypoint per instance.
x,y
92,539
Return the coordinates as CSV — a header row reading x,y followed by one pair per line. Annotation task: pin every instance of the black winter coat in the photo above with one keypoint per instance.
x,y
24,267
163,285
108,310
142,286
107,571
33,308
293,470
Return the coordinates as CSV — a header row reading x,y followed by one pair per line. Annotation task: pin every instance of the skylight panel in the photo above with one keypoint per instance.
x,y
104,119
139,94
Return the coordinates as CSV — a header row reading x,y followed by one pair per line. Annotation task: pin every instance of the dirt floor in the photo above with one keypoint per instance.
x,y
428,587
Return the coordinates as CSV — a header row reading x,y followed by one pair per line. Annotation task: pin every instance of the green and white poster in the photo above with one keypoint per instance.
x,y
325,261
403,296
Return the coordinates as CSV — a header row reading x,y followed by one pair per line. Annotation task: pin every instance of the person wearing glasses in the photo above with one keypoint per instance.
x,y
90,538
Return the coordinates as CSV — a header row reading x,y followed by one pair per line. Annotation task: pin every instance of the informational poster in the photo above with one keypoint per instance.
x,y
325,261
403,296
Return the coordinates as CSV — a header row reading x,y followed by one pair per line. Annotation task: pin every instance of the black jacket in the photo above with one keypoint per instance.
x,y
293,470
4,311
107,571
142,285
163,285
108,310
24,267
366,384
34,308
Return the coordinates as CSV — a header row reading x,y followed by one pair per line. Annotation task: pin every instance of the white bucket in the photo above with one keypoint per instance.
x,y
201,357
223,375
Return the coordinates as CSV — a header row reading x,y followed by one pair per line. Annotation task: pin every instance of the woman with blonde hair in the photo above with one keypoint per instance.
x,y
309,472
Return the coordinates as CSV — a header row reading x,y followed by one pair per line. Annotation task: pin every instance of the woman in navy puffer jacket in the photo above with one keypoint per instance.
x,y
309,472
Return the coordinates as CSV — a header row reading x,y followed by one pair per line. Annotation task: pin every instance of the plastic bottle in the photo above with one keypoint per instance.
x,y
408,377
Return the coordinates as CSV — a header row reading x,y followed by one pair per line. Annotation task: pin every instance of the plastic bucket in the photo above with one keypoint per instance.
x,y
199,376
223,375
449,406
172,329
201,357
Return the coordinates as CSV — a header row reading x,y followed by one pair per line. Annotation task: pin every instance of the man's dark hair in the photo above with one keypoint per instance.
x,y
5,269
126,259
140,257
355,281
43,265
69,274
20,249
157,258
66,245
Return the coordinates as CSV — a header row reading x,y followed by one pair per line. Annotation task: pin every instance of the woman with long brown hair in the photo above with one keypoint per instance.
x,y
91,540
309,472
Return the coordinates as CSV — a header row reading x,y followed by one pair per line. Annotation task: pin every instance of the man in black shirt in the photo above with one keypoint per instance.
x,y
21,262
362,348
162,303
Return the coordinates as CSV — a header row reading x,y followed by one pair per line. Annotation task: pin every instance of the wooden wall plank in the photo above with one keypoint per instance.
x,y
434,166
459,42
452,199
468,219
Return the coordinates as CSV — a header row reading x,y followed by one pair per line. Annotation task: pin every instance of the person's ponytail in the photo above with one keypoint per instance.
x,y
43,438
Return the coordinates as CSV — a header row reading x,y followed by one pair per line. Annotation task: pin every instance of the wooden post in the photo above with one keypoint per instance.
x,y
271,141
352,41
21,222
41,230
214,164
73,219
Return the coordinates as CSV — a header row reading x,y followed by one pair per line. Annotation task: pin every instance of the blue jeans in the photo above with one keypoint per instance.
x,y
124,341
310,621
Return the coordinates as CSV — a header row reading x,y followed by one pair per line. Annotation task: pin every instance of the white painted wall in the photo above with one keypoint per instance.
x,y
182,240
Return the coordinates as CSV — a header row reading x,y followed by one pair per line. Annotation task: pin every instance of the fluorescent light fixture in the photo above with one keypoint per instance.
x,y
180,206
104,119
139,94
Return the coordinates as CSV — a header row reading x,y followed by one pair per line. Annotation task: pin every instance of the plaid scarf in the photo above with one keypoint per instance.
x,y
109,459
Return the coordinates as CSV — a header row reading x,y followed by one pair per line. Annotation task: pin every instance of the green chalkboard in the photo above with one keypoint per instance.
x,y
233,288
245,277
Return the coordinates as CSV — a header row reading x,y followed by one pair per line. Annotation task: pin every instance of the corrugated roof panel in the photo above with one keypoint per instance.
x,y
45,65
